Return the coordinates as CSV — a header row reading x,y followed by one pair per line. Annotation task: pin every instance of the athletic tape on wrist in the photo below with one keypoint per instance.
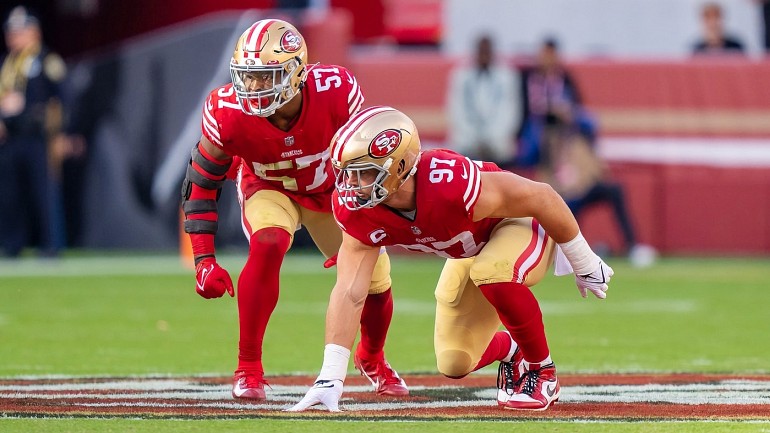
x,y
335,366
580,255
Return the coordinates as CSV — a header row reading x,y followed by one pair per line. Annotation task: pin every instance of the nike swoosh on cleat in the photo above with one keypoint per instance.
x,y
238,391
550,390
369,377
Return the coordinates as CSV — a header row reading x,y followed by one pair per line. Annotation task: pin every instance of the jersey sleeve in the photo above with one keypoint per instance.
x,y
355,97
210,127
338,211
345,219
474,169
472,187
454,178
338,87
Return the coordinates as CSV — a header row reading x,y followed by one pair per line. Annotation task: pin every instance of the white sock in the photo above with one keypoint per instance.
x,y
514,346
546,361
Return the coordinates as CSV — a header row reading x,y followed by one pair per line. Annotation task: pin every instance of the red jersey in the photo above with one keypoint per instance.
x,y
294,162
447,187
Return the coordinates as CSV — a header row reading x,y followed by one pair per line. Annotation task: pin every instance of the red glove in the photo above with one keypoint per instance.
x,y
212,280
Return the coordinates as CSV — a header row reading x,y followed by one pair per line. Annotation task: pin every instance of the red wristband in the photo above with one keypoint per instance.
x,y
202,244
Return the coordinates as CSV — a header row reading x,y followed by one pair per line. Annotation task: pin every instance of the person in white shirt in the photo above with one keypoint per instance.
x,y
483,107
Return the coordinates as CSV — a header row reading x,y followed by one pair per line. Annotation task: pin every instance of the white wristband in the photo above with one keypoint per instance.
x,y
580,255
335,366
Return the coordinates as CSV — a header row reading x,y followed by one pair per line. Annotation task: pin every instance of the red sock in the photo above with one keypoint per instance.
x,y
498,349
520,313
375,321
258,292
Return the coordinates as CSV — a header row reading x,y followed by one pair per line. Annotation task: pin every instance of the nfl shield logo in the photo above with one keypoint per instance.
x,y
289,141
416,230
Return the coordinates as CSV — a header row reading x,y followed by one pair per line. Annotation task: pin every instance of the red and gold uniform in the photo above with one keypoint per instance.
x,y
294,162
275,121
285,177
442,223
488,251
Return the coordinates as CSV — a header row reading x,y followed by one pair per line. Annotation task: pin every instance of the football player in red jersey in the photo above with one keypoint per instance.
x,y
498,232
277,117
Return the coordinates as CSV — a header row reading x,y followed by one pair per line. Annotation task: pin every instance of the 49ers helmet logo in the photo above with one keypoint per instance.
x,y
291,42
385,143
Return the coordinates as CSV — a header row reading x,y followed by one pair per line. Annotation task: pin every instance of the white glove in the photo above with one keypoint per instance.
x,y
325,392
595,281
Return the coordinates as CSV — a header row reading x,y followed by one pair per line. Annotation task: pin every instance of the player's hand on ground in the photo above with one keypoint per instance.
x,y
325,392
596,281
212,280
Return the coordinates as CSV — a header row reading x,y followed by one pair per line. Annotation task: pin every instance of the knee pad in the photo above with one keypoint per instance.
x,y
271,241
454,363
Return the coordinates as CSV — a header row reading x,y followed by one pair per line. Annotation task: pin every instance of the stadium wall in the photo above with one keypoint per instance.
x,y
689,140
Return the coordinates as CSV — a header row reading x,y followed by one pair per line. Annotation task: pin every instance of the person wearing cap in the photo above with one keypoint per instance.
x,y
30,115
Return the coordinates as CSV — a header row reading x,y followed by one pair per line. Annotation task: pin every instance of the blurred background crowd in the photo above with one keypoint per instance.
x,y
650,117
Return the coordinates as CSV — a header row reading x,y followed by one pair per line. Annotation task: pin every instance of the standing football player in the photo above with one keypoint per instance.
x,y
277,116
498,232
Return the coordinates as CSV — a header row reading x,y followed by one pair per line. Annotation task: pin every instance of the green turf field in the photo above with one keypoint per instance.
x,y
117,315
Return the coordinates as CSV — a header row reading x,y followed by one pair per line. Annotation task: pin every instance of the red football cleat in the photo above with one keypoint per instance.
x,y
537,389
385,380
249,385
508,375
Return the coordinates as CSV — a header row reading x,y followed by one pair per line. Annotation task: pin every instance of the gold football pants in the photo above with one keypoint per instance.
x,y
518,250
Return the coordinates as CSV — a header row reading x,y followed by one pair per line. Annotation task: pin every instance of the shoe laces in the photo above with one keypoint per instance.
x,y
385,371
528,381
505,377
254,380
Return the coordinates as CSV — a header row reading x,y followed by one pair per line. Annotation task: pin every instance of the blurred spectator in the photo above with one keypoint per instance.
x,y
571,166
483,107
30,116
550,96
558,139
714,40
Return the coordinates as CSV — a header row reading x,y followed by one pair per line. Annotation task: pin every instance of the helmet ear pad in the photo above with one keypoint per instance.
x,y
401,168
295,85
